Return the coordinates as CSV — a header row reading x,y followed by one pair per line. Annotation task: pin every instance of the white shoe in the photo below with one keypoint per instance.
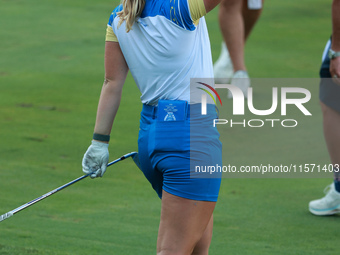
x,y
328,205
241,80
223,67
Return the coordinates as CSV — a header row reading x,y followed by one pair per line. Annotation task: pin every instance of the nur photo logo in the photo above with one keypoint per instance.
x,y
204,96
280,102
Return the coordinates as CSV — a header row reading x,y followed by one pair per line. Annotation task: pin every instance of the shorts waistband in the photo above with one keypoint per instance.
x,y
152,110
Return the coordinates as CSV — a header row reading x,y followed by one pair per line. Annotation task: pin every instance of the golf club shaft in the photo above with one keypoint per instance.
x,y
24,206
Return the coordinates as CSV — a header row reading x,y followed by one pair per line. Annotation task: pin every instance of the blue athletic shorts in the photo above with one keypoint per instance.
x,y
166,149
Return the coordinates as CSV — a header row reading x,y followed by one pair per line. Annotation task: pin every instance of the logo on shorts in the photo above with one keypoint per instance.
x,y
170,116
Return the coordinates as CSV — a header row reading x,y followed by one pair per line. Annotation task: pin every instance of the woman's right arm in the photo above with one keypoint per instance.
x,y
211,4
116,70
97,155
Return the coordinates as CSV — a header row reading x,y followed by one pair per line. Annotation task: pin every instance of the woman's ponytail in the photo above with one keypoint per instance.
x,y
131,10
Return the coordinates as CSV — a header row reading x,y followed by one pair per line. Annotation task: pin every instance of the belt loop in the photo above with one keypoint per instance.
x,y
187,110
154,112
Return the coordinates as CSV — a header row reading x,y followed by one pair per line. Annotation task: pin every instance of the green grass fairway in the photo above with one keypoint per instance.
x,y
51,73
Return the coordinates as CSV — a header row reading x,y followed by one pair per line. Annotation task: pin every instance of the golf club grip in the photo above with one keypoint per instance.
x,y
24,206
5,216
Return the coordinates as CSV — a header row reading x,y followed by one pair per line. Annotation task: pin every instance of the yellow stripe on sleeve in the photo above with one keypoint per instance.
x,y
197,10
110,35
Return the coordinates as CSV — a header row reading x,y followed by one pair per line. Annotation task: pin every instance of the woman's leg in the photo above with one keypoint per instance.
x,y
202,247
184,222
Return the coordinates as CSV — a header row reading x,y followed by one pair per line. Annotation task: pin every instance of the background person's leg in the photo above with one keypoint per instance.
x,y
330,204
236,21
233,30
250,17
331,129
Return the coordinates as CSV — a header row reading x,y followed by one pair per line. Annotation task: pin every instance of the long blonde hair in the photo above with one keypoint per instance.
x,y
131,10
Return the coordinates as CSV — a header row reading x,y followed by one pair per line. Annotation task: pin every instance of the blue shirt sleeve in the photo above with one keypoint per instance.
x,y
114,14
180,13
176,11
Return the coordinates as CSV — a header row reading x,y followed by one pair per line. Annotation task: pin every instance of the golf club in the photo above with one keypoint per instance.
x,y
5,216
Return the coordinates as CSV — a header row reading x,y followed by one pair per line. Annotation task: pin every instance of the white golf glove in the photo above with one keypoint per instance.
x,y
95,159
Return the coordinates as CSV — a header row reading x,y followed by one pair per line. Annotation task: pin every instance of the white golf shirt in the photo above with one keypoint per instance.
x,y
167,46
